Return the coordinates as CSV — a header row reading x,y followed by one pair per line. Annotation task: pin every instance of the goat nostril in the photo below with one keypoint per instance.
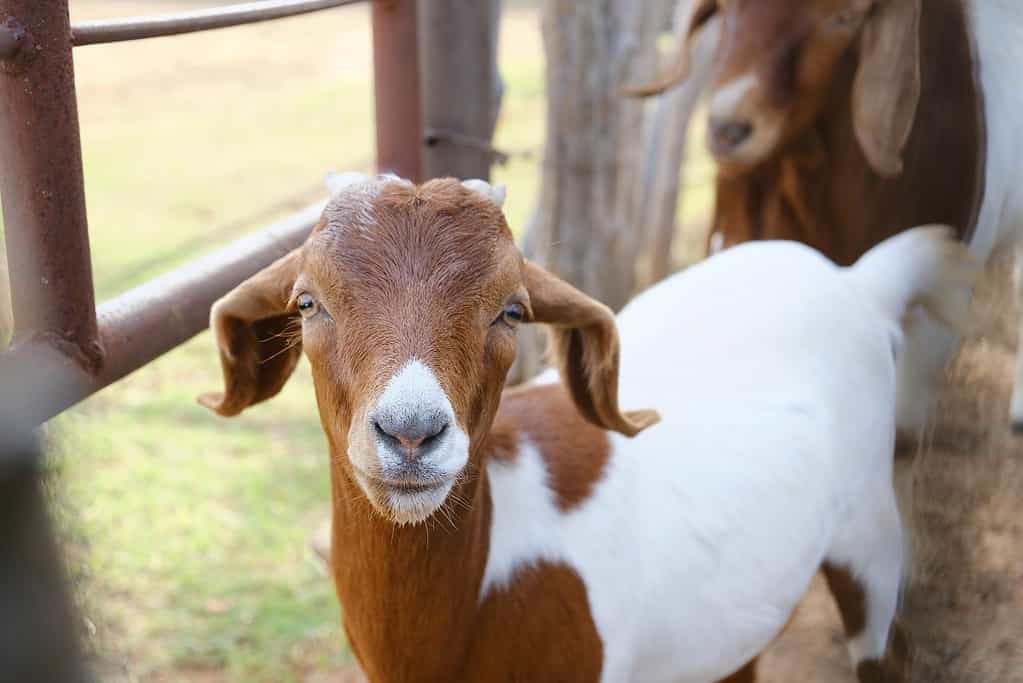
x,y
437,432
726,134
410,437
381,432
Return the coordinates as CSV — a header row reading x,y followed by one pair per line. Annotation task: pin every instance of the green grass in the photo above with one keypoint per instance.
x,y
192,531
197,527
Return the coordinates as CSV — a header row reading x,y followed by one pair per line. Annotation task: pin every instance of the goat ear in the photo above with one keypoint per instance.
x,y
887,86
252,327
693,16
584,343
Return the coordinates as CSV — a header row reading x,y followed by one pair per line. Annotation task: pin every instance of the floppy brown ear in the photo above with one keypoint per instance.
x,y
584,343
694,17
887,86
254,332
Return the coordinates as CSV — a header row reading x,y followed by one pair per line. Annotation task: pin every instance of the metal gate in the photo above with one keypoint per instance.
x,y
73,348
65,348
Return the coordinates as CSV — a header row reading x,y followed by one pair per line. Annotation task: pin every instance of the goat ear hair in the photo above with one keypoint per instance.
x,y
887,87
257,338
584,345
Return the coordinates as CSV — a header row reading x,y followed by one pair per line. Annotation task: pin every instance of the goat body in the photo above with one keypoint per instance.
x,y
774,374
814,181
539,541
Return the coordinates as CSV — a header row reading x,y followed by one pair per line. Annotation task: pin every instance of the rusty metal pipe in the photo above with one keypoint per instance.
x,y
42,185
396,87
150,320
12,37
136,28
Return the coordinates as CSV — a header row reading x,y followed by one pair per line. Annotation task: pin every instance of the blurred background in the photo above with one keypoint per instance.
x,y
188,535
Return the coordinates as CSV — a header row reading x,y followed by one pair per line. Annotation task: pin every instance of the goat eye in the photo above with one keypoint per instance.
x,y
512,315
844,19
307,306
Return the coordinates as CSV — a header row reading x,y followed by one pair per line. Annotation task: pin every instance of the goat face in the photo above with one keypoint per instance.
x,y
409,303
406,300
780,60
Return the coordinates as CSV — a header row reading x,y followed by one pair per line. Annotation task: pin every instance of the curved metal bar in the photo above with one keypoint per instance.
x,y
148,321
136,28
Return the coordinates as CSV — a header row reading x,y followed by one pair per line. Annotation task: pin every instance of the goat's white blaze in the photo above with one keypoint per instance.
x,y
411,393
738,102
727,99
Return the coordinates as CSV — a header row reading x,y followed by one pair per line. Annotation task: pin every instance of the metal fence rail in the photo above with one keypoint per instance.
x,y
137,28
146,322
64,348
74,349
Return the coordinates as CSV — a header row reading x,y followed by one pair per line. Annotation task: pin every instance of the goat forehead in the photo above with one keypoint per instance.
x,y
769,37
388,247
759,20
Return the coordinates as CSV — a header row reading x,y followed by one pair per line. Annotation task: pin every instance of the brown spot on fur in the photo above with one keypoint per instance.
x,y
747,674
575,452
850,596
542,630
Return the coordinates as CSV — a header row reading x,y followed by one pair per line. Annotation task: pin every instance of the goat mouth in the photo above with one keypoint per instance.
x,y
407,487
405,501
410,488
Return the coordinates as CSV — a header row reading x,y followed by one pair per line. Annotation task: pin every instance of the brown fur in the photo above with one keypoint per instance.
x,y
539,630
747,674
410,616
817,186
426,272
850,597
575,452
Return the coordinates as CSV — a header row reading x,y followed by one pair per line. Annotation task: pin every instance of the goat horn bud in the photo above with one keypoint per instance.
x,y
495,193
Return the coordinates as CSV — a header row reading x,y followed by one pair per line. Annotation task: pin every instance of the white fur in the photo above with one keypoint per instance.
x,y
415,390
353,194
495,193
774,373
725,101
338,182
527,529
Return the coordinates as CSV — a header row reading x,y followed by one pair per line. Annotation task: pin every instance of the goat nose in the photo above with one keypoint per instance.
x,y
728,134
411,434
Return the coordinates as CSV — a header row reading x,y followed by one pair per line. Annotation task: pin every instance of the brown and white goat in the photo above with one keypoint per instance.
x,y
480,536
839,123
